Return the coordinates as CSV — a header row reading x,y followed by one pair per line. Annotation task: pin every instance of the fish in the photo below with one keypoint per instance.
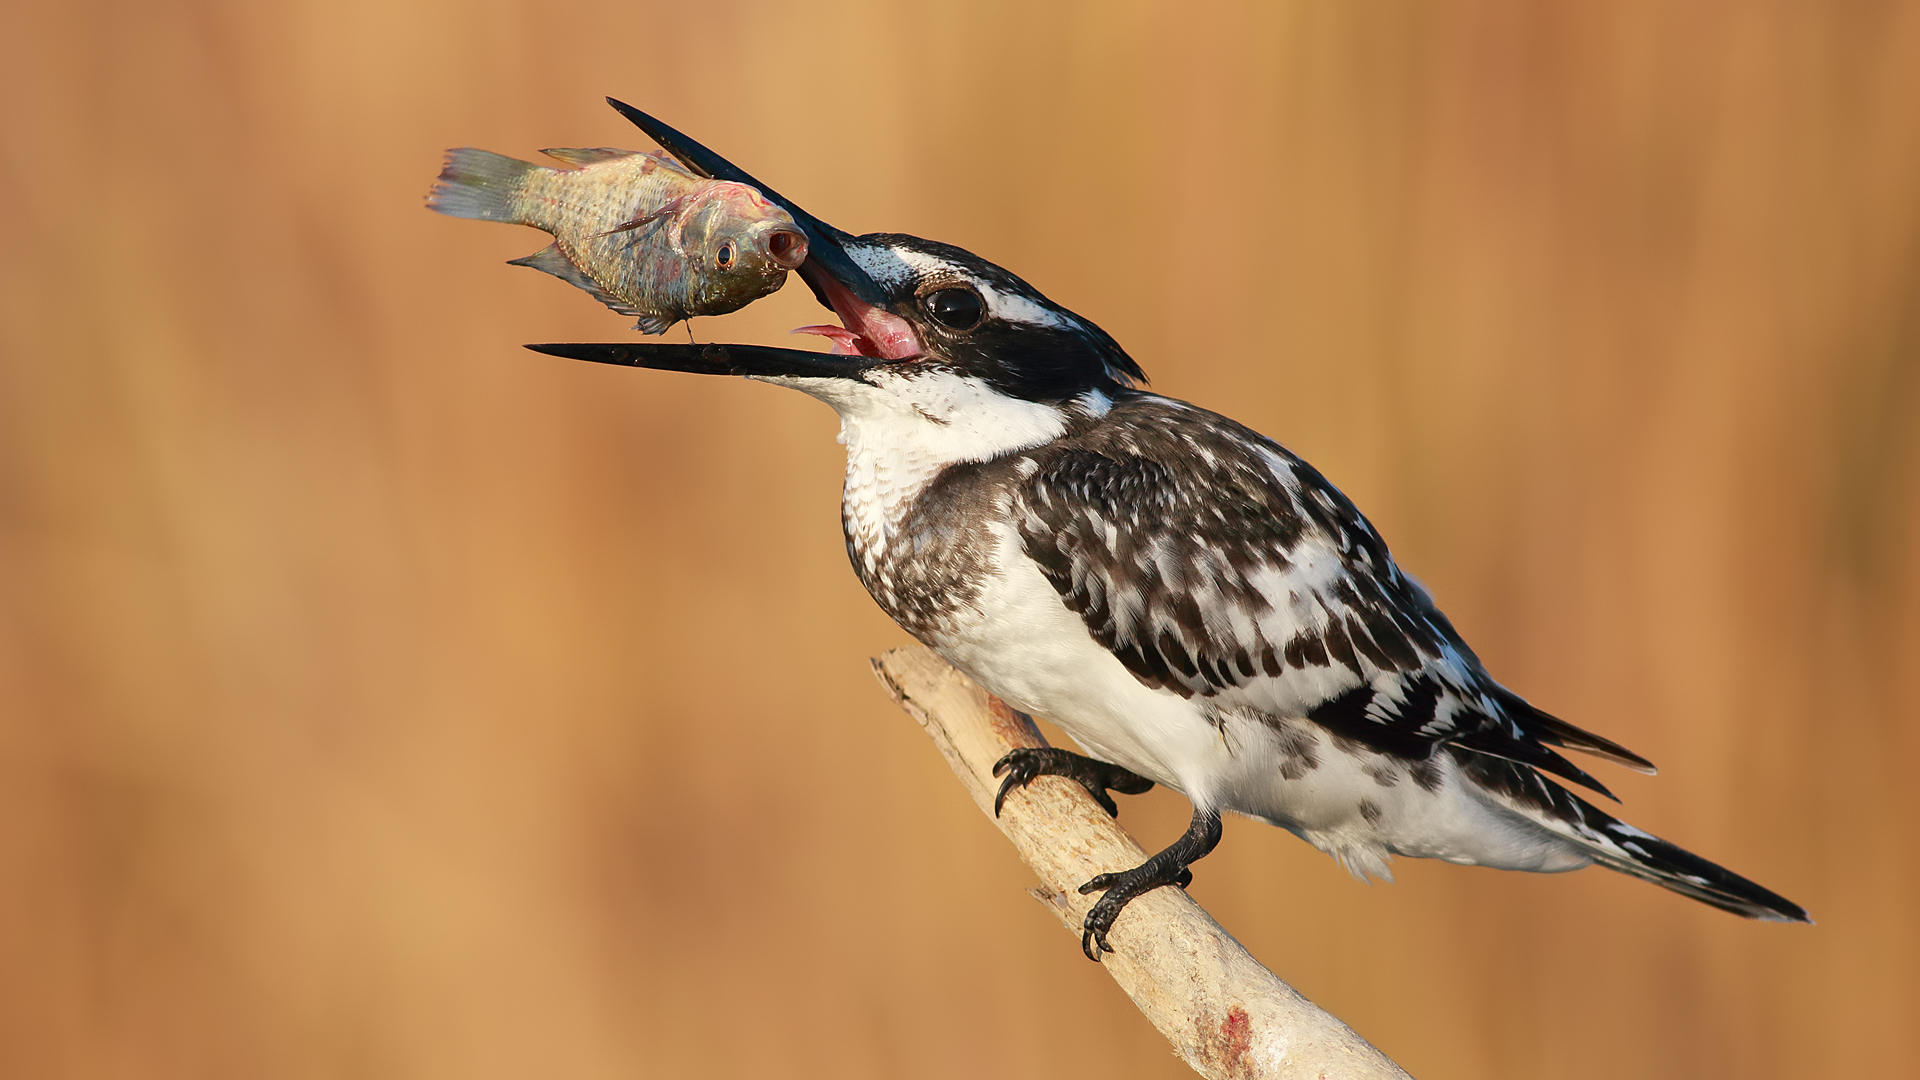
x,y
636,230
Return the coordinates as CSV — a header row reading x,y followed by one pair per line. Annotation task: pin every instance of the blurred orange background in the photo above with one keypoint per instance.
x,y
378,699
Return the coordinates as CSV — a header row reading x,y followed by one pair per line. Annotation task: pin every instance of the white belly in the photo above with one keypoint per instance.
x,y
1023,644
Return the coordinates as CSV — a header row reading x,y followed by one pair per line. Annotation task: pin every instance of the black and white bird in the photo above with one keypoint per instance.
x,y
1196,606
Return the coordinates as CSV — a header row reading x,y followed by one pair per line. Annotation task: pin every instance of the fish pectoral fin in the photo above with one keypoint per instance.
x,y
669,212
653,324
586,155
552,260
639,222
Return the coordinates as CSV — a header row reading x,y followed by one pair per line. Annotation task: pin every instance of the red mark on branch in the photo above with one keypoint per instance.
x,y
1235,1044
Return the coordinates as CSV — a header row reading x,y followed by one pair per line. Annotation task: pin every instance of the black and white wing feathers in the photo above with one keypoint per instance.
x,y
1214,563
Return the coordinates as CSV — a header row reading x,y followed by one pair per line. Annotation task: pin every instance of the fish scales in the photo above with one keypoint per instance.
x,y
644,236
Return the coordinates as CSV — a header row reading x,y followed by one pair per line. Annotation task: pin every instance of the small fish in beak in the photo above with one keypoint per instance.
x,y
838,281
642,234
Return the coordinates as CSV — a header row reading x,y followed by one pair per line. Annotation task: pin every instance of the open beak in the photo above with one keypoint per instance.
x,y
871,335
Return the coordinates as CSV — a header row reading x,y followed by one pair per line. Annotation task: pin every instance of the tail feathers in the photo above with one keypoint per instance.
x,y
1615,844
480,184
1650,858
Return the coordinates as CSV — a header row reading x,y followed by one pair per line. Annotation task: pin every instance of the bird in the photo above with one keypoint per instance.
x,y
1193,604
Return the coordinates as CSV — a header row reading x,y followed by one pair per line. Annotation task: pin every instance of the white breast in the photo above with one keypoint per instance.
x,y
1026,647
901,429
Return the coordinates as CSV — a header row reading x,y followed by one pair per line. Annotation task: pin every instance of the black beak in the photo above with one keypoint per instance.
x,y
765,360
825,252
827,259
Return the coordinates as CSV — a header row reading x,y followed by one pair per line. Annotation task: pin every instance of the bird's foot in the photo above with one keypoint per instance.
x,y
1025,765
1169,867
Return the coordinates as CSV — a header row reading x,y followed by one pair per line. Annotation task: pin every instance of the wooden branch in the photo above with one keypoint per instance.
x,y
1227,1016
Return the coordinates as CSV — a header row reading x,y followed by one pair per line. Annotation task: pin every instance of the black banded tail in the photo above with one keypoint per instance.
x,y
1617,845
1650,858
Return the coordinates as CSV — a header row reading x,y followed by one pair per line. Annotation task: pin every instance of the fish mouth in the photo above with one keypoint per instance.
x,y
787,248
869,334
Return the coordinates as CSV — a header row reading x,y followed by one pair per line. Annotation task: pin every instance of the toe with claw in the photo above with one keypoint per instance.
x,y
1169,867
1027,764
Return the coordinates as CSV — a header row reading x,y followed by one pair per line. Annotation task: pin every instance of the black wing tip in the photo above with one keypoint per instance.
x,y
1554,731
1573,738
1533,755
1567,770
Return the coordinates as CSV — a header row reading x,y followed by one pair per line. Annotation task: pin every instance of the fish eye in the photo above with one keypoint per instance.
x,y
725,256
955,308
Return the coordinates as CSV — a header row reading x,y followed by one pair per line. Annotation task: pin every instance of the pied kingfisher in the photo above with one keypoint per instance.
x,y
1193,604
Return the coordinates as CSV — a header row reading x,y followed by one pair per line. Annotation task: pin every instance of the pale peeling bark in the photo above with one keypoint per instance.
x,y
1227,1016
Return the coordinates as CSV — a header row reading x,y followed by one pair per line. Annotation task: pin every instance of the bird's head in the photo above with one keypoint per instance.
x,y
924,326
938,308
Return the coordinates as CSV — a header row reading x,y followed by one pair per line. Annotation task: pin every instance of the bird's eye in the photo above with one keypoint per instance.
x,y
955,309
725,256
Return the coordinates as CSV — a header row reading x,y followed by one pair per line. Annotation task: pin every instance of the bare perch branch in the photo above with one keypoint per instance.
x,y
1227,1016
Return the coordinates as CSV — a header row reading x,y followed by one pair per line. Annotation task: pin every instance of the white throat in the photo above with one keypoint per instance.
x,y
900,432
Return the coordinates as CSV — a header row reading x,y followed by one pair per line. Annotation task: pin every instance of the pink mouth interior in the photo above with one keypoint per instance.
x,y
866,330
787,248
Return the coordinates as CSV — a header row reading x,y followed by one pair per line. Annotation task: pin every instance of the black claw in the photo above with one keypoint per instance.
x,y
1099,921
1093,943
1019,772
1100,883
1025,765
1169,867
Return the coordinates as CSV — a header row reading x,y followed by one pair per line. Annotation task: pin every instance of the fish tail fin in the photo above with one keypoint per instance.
x,y
482,185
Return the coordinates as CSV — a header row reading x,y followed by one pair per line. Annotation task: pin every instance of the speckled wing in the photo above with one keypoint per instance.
x,y
1215,564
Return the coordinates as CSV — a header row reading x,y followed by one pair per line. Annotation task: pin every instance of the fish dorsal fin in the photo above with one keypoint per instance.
x,y
551,260
590,155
